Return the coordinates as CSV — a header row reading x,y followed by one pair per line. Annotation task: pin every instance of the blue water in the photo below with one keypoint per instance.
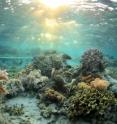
x,y
28,27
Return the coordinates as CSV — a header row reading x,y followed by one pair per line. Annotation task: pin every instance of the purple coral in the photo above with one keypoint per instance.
x,y
92,61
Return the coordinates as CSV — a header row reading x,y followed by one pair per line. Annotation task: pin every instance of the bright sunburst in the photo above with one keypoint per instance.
x,y
55,3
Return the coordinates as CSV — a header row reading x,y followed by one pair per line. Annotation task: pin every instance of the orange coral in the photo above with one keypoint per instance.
x,y
89,78
99,84
2,90
3,75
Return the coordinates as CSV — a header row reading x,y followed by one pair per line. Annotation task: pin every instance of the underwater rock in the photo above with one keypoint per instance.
x,y
92,62
99,84
34,80
46,62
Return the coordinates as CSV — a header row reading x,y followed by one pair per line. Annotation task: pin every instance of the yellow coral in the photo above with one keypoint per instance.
x,y
99,84
83,85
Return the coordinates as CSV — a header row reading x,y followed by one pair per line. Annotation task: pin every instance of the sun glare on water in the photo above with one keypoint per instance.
x,y
55,3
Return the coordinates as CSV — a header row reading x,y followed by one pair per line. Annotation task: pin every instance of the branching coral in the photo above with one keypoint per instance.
x,y
92,61
90,101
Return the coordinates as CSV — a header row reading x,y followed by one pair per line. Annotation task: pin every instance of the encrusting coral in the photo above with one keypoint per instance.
x,y
53,95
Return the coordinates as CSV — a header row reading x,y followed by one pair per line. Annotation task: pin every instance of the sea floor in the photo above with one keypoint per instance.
x,y
31,110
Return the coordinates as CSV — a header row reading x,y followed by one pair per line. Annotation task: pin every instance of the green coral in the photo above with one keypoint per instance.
x,y
90,101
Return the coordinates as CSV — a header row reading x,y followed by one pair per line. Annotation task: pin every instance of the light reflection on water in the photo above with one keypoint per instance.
x,y
27,26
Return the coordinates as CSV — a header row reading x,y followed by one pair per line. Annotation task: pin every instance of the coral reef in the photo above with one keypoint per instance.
x,y
90,101
46,62
53,96
92,61
61,90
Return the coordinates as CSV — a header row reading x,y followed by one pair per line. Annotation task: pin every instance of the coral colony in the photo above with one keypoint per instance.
x,y
75,93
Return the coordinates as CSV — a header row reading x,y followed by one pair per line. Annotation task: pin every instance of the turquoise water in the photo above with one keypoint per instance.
x,y
30,26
